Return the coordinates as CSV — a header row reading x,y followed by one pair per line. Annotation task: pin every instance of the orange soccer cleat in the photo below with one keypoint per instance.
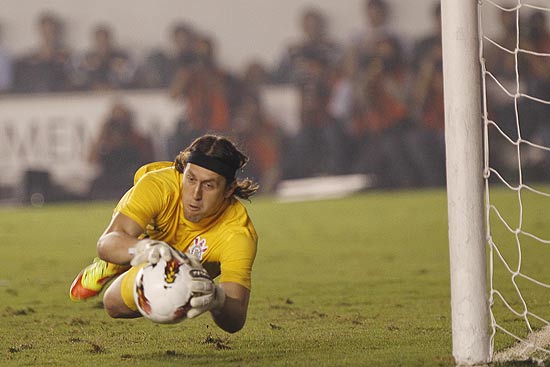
x,y
93,278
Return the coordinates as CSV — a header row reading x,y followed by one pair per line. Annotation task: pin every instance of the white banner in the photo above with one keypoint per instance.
x,y
56,133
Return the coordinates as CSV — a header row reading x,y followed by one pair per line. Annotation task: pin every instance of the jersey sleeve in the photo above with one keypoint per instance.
x,y
144,201
236,263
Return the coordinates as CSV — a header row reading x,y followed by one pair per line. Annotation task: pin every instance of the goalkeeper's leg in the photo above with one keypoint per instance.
x,y
93,278
118,299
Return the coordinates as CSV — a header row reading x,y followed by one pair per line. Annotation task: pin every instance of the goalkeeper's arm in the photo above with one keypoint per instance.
x,y
121,235
232,315
227,302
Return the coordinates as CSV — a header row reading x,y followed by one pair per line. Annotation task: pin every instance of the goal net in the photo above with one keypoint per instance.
x,y
514,54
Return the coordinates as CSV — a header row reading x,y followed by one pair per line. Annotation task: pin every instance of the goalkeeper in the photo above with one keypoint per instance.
x,y
190,205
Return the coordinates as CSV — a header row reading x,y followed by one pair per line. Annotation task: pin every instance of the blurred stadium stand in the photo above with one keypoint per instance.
x,y
47,132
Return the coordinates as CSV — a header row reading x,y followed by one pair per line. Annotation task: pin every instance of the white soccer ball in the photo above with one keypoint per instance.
x,y
162,293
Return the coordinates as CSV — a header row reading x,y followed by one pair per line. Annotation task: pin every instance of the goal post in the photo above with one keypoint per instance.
x,y
464,161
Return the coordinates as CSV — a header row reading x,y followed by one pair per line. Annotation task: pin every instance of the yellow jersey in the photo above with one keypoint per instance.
x,y
226,242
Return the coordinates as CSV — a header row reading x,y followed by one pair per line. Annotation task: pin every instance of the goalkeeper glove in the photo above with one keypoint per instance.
x,y
207,296
152,251
212,301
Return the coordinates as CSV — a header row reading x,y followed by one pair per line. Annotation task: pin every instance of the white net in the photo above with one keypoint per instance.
x,y
515,59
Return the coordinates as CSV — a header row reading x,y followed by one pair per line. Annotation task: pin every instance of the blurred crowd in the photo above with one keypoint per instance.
x,y
525,75
372,104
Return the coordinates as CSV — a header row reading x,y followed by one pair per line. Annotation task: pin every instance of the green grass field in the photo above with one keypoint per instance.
x,y
361,281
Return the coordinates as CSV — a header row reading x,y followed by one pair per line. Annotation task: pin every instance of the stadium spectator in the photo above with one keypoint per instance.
x,y
120,149
318,134
45,69
204,90
309,64
534,114
427,139
161,66
538,77
376,28
190,205
262,139
502,65
340,109
501,107
254,78
105,66
383,117
426,45
6,68
316,44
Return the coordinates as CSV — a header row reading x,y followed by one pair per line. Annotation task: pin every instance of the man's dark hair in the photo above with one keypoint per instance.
x,y
224,150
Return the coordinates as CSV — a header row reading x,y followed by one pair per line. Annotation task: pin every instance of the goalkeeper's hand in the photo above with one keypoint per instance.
x,y
152,251
207,296
211,301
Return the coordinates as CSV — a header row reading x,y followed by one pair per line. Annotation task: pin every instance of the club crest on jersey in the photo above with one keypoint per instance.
x,y
198,248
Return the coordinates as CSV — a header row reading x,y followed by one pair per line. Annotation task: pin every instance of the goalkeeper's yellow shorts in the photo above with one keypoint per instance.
x,y
127,286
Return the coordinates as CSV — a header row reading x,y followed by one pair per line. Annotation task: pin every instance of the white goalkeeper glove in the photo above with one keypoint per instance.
x,y
152,251
212,301
207,296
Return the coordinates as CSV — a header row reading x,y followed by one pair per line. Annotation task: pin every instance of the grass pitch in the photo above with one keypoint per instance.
x,y
361,281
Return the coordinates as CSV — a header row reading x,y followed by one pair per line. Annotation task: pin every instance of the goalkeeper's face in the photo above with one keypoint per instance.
x,y
204,192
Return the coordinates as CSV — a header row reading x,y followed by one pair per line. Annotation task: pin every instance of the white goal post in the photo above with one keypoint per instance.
x,y
464,155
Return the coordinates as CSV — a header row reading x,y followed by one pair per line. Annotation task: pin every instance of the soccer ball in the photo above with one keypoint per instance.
x,y
162,293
